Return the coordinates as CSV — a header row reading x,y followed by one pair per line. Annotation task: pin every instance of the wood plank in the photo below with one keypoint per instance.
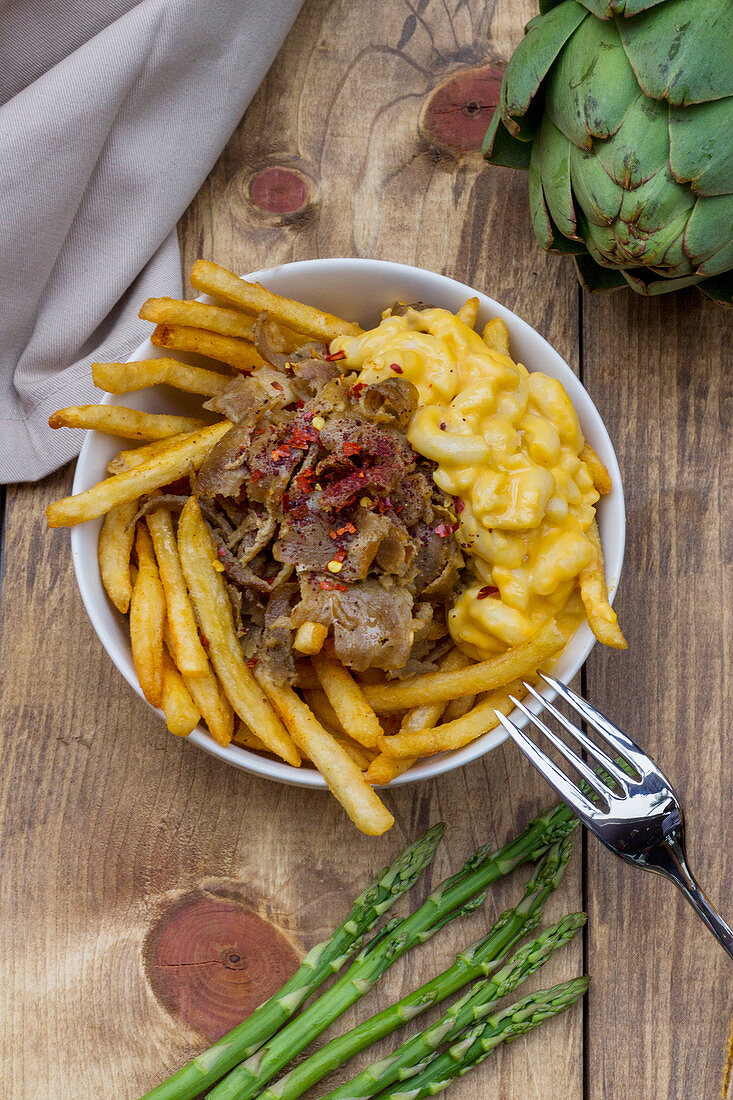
x,y
108,821
660,1006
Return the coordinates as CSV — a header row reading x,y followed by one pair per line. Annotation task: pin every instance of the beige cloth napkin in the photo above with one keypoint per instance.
x,y
111,115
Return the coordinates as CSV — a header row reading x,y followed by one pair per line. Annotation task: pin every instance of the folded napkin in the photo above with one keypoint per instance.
x,y
111,115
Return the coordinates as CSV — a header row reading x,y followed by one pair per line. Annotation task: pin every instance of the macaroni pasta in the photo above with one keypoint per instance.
x,y
507,445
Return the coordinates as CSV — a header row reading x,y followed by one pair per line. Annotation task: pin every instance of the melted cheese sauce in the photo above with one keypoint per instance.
x,y
507,445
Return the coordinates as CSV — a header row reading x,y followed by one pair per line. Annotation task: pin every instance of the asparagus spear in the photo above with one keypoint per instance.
x,y
479,959
478,1002
322,961
443,904
478,1042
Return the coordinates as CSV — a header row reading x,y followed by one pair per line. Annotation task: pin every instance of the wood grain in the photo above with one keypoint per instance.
x,y
108,822
658,371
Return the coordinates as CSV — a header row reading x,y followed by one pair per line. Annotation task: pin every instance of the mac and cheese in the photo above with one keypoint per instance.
x,y
507,445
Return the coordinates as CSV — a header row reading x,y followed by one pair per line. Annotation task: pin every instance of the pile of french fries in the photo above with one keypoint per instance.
x,y
162,569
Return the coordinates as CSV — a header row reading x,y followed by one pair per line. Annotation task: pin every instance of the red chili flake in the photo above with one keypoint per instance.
x,y
280,452
339,555
333,586
300,438
351,448
487,590
443,425
277,386
299,512
396,368
286,501
443,530
360,474
204,641
458,505
348,529
299,403
255,476
357,388
252,662
304,481
336,355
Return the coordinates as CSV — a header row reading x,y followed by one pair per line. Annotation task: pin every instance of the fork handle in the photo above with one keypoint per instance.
x,y
676,868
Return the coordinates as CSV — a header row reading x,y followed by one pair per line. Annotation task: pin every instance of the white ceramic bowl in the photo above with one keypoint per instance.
x,y
358,290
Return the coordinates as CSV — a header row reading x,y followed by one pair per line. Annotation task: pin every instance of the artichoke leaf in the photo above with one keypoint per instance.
x,y
606,9
719,289
500,147
644,282
701,145
656,203
551,150
681,50
591,85
597,193
709,235
592,276
533,57
640,147
538,211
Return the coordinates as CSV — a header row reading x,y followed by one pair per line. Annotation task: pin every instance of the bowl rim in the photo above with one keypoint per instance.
x,y
583,639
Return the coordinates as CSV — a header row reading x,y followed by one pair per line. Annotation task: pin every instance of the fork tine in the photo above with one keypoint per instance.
x,y
557,779
619,776
592,778
623,744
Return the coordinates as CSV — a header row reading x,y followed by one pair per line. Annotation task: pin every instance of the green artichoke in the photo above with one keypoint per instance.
x,y
622,110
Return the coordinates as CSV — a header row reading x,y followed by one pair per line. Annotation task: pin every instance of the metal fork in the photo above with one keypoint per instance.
x,y
642,819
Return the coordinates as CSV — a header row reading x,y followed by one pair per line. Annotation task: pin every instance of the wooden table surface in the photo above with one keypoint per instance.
x,y
138,872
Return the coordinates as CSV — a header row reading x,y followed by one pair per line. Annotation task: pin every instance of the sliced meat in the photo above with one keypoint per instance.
x,y
372,626
392,401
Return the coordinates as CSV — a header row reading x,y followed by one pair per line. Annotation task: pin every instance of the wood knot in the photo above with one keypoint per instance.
x,y
457,113
278,190
211,961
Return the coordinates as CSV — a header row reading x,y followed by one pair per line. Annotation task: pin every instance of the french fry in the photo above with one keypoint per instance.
x,y
239,354
456,734
223,284
135,456
496,336
181,715
174,462
309,638
435,687
602,619
208,592
129,377
357,752
318,702
347,698
192,314
596,469
468,312
456,707
205,690
248,740
129,423
147,619
221,319
384,768
116,540
189,652
342,775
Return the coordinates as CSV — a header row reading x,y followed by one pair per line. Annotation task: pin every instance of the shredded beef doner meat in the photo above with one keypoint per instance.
x,y
323,512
